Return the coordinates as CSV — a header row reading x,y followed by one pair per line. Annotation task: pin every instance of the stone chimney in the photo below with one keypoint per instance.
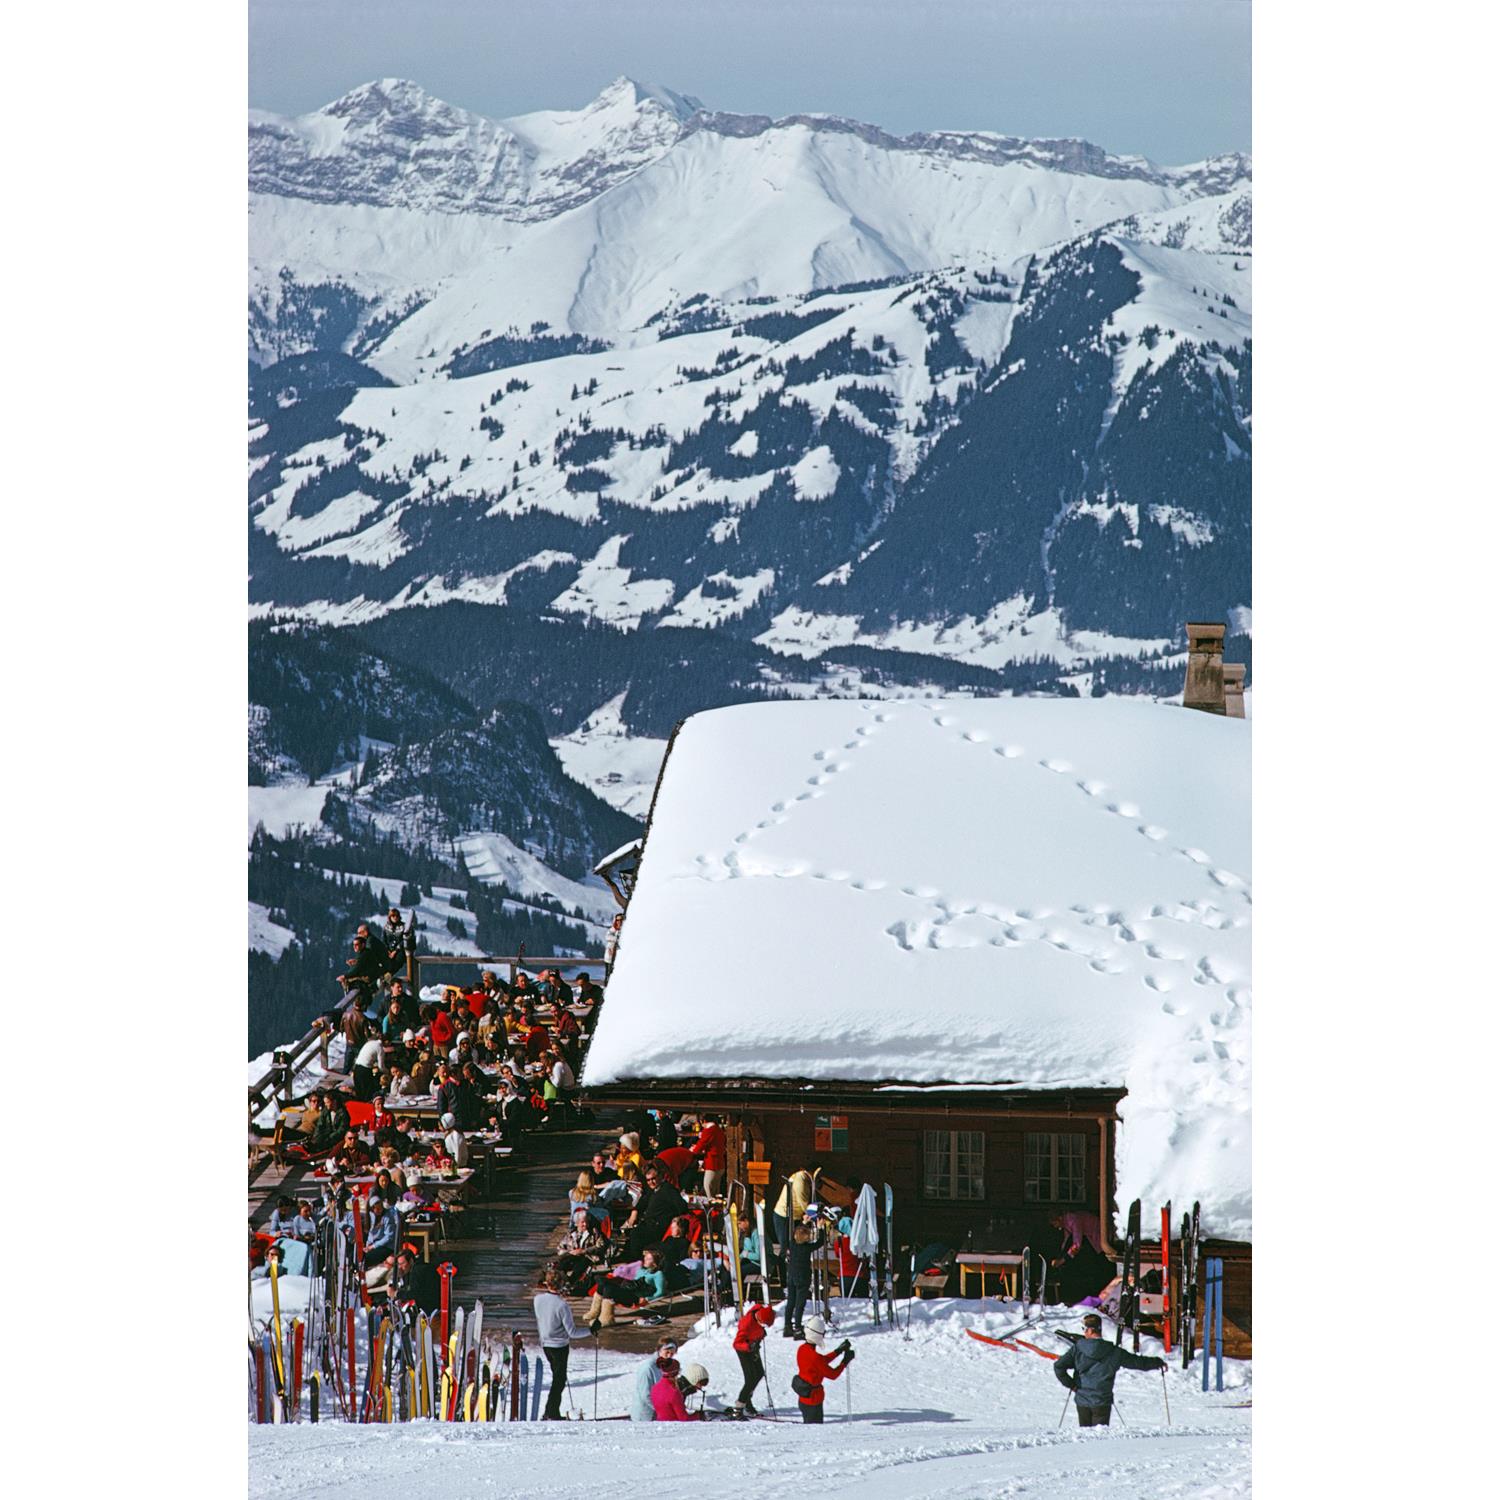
x,y
1234,689
1204,688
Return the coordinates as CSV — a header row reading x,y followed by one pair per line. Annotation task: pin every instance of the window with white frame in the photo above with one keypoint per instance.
x,y
1056,1167
953,1164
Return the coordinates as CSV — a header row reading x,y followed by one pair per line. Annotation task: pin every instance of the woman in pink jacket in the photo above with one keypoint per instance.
x,y
668,1393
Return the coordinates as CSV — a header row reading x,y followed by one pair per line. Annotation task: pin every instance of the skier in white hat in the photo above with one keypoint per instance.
x,y
814,1367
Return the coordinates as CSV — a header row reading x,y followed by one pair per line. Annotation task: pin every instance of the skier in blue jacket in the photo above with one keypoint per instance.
x,y
649,1371
1089,1368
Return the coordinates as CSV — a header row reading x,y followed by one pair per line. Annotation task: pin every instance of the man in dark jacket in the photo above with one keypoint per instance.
x,y
365,968
798,1279
659,1205
1089,1368
415,1282
472,1087
333,1123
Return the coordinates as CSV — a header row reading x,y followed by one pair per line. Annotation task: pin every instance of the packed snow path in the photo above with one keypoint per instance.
x,y
940,1416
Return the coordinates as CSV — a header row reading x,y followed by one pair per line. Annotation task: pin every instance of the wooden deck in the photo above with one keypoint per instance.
x,y
507,1233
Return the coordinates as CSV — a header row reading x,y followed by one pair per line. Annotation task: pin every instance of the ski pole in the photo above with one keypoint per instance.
x,y
1164,1401
596,1377
1064,1417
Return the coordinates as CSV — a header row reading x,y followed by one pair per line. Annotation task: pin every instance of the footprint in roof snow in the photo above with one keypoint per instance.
x,y
1092,788
1125,809
1010,752
1107,966
975,736
1197,856
1152,832
867,885
1225,878
1171,1007
1161,984
1062,767
901,931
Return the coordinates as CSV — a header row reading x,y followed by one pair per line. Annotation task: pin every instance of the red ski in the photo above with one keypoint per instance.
x,y
998,1343
1045,1353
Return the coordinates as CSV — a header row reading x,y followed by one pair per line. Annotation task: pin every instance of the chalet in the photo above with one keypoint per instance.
x,y
994,952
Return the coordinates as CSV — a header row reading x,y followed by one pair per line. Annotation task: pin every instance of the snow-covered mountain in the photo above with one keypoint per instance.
x,y
795,379
631,410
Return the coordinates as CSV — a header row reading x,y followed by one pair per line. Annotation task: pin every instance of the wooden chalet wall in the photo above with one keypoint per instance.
x,y
888,1147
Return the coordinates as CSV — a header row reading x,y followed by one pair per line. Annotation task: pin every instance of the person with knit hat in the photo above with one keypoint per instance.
x,y
629,1151
749,1338
814,1367
669,1394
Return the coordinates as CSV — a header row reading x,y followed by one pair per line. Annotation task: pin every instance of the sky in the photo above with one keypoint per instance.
x,y
1168,79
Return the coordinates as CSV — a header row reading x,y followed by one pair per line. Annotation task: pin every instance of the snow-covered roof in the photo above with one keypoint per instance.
x,y
625,851
1045,893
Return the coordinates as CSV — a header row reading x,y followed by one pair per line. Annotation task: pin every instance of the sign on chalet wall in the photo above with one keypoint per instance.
x,y
830,1132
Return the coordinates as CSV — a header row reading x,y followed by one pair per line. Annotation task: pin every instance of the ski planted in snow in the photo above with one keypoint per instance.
x,y
765,1251
734,1259
890,1255
1166,1279
1129,1276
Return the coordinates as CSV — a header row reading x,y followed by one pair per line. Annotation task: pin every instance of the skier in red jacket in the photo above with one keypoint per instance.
x,y
709,1148
814,1367
748,1338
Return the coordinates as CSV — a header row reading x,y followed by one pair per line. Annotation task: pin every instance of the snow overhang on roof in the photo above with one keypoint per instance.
x,y
1049,893
625,851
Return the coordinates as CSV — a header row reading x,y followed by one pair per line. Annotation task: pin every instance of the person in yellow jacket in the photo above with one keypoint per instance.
x,y
802,1188
629,1150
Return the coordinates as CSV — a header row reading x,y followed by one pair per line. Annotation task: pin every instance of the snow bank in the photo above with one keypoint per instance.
x,y
1029,892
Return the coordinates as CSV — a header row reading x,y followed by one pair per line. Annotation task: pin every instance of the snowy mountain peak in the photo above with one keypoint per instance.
x,y
391,144
383,96
632,94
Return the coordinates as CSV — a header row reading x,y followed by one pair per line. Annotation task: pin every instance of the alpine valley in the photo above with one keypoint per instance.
x,y
564,426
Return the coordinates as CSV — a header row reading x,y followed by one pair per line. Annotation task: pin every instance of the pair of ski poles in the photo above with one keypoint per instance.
x,y
1165,1401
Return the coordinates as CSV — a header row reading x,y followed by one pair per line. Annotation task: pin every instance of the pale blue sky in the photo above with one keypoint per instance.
x,y
1169,79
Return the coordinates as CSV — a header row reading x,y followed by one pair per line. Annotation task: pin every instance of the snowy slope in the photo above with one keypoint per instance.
x,y
941,1417
620,767
1064,884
